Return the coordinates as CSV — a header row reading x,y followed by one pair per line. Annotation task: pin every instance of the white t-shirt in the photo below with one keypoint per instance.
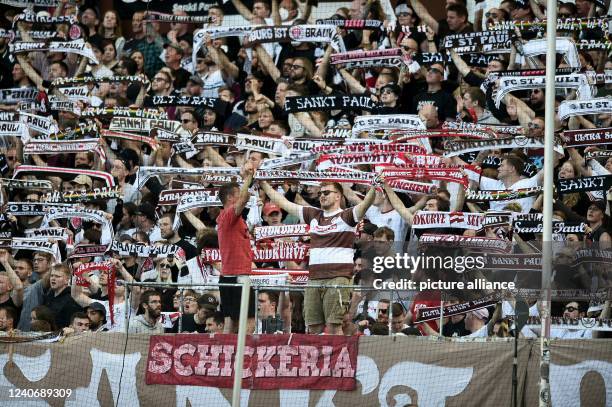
x,y
212,83
390,219
493,184
481,333
118,316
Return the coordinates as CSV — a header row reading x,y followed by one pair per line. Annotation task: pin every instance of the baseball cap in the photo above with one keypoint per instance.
x,y
196,79
208,301
402,8
271,207
600,204
96,306
393,88
482,313
175,46
83,180
146,209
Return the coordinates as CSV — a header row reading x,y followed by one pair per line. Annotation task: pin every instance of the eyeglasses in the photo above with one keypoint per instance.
x,y
571,309
491,15
159,79
325,193
189,299
386,90
296,67
404,14
534,126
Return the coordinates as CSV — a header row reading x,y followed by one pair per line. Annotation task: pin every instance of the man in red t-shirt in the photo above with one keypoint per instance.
x,y
235,247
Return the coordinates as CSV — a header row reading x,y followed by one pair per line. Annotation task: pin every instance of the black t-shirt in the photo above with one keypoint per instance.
x,y
188,324
444,30
181,76
449,329
444,101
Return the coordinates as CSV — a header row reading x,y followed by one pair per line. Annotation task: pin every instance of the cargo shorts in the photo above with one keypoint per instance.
x,y
326,305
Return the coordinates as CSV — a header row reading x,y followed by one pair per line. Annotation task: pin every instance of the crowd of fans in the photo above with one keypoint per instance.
x,y
38,291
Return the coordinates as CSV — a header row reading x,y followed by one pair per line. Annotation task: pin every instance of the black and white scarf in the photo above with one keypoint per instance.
x,y
59,172
124,112
457,147
297,33
73,47
144,172
45,125
13,96
142,125
569,108
378,122
193,101
486,41
331,102
584,184
571,81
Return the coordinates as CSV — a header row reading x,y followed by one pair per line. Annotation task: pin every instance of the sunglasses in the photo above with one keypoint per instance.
x,y
185,121
296,67
571,309
534,126
324,193
164,266
491,15
383,311
435,70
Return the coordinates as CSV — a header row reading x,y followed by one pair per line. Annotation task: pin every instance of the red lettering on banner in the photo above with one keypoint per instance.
x,y
309,362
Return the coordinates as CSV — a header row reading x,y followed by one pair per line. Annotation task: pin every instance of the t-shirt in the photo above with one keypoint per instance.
x,y
188,324
234,243
444,101
390,219
118,316
493,184
331,241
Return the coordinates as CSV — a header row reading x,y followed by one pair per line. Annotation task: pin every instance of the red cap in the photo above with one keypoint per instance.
x,y
271,207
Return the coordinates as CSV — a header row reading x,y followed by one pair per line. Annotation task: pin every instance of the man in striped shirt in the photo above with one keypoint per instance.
x,y
332,233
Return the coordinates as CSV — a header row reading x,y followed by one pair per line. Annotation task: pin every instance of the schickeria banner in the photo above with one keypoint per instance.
x,y
108,369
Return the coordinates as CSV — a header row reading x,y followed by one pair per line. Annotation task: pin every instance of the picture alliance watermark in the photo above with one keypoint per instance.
x,y
405,262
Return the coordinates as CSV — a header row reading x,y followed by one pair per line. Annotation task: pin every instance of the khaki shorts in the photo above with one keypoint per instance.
x,y
326,305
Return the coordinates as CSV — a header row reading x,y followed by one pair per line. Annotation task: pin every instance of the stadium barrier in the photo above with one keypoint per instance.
x,y
108,369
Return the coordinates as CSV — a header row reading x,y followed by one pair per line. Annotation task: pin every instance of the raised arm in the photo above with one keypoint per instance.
x,y
243,10
280,200
79,296
406,213
276,17
266,60
221,60
16,284
361,209
424,15
244,196
354,85
322,69
462,67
